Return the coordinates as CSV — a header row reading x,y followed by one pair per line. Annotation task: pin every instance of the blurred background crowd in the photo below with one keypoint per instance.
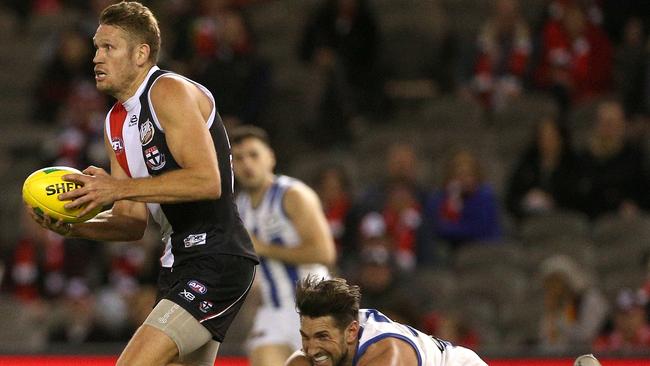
x,y
483,164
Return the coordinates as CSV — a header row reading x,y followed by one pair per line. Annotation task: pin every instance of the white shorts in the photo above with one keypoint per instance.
x,y
275,326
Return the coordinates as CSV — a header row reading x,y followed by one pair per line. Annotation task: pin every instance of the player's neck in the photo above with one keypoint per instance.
x,y
257,193
130,91
352,352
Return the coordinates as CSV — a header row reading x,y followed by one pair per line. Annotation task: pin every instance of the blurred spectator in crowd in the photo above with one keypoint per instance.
x,y
544,178
574,310
504,47
205,31
630,67
341,42
428,35
237,77
80,142
333,187
69,65
44,273
73,315
42,263
612,170
34,267
178,27
398,198
382,281
631,330
576,55
451,326
193,30
465,208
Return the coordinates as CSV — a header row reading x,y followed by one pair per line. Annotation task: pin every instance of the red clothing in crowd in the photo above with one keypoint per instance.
x,y
616,342
584,64
335,213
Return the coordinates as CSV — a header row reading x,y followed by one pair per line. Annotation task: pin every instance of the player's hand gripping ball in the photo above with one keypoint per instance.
x,y
42,188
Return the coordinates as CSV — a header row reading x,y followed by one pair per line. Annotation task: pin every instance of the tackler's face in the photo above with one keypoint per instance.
x,y
253,162
115,60
324,343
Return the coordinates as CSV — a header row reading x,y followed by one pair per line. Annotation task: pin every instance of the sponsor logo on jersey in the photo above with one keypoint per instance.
x,y
146,133
197,287
205,306
187,295
133,121
194,240
117,144
155,159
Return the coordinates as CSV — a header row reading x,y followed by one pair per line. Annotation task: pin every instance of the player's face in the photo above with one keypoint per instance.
x,y
325,344
253,162
115,61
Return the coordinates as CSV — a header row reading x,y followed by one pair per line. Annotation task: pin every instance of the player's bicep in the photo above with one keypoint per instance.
x,y
186,133
389,352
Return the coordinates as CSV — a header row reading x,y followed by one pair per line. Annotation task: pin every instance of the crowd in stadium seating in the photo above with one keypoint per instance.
x,y
446,258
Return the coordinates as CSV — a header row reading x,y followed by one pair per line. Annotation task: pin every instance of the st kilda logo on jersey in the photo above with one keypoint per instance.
x,y
146,133
155,159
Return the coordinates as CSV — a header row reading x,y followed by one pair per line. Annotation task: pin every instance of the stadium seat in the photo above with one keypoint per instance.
x,y
615,228
580,249
498,283
613,281
439,286
514,124
620,254
558,224
488,254
20,331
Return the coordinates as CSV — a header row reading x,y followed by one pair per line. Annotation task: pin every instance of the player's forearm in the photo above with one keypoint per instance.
x,y
109,227
177,186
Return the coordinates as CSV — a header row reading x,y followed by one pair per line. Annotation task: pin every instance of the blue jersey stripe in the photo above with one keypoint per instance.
x,y
271,282
292,272
273,194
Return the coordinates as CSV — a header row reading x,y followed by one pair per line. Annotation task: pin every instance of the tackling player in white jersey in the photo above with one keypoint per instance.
x,y
335,332
290,233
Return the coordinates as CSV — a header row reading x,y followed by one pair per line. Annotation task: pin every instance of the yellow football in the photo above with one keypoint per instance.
x,y
42,188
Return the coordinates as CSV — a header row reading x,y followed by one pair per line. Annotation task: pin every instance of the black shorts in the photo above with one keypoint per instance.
x,y
212,289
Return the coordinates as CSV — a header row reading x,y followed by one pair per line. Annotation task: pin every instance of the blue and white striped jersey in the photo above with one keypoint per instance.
x,y
430,351
269,222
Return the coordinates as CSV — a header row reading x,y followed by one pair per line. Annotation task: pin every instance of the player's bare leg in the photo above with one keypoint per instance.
x,y
271,355
148,347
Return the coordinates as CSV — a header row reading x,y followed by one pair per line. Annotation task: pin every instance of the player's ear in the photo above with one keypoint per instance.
x,y
352,332
142,52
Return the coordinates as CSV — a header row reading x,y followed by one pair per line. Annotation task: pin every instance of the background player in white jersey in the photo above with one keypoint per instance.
x,y
170,158
290,233
335,332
